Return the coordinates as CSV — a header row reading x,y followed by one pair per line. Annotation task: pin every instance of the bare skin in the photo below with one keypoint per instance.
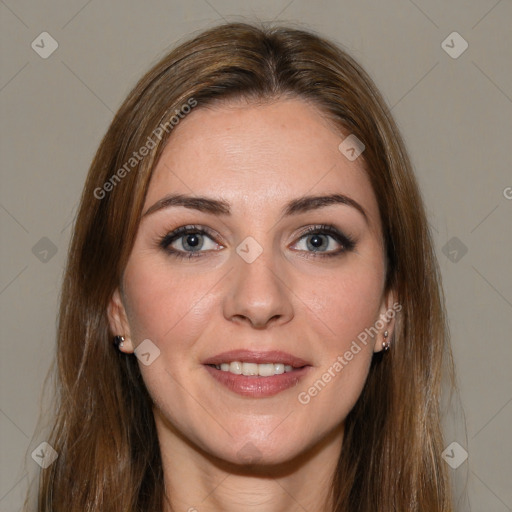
x,y
292,297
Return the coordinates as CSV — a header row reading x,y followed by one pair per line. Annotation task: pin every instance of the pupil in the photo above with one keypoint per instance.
x,y
316,241
192,240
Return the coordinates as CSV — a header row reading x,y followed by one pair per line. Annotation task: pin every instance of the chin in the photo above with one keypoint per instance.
x,y
254,451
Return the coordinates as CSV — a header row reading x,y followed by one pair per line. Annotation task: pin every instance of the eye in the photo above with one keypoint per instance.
x,y
188,242
316,241
323,241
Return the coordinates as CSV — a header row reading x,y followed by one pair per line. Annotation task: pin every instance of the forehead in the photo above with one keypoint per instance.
x,y
258,155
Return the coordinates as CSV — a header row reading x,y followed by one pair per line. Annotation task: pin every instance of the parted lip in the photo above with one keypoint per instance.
x,y
251,356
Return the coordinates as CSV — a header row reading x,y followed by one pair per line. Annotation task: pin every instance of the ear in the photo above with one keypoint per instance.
x,y
118,321
386,321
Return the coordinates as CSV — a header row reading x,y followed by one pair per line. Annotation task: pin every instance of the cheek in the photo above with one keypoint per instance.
x,y
343,313
164,306
346,303
171,310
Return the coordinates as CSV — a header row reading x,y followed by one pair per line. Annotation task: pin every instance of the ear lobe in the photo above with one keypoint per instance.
x,y
385,324
118,321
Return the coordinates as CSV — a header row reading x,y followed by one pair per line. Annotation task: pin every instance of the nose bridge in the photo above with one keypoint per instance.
x,y
257,292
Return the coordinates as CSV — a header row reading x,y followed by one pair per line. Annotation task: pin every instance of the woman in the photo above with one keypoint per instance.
x,y
252,239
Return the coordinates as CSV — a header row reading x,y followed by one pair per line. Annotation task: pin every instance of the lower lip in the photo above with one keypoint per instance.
x,y
255,386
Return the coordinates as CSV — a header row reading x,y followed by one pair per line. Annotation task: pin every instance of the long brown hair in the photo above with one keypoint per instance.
x,y
103,429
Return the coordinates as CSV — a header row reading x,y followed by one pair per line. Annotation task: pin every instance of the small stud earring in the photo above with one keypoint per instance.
x,y
119,341
386,343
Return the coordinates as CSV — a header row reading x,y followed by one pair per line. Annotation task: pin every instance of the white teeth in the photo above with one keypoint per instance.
x,y
266,370
249,368
236,367
279,368
262,370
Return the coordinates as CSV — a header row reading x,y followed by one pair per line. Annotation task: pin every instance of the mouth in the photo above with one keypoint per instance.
x,y
256,374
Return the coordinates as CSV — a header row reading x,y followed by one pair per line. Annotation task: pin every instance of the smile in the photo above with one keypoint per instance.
x,y
257,374
262,370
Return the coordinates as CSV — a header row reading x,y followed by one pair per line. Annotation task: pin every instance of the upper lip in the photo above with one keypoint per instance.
x,y
251,356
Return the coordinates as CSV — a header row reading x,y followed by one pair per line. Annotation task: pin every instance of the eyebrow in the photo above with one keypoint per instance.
x,y
221,207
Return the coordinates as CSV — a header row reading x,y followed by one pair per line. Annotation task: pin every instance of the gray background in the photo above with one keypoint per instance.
x,y
455,116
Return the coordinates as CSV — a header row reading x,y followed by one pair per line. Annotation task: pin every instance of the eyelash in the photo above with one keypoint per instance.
x,y
346,241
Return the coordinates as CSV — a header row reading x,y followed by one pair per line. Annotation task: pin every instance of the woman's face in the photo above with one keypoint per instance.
x,y
267,274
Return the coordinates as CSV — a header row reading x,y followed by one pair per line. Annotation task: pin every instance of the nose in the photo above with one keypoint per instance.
x,y
258,293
